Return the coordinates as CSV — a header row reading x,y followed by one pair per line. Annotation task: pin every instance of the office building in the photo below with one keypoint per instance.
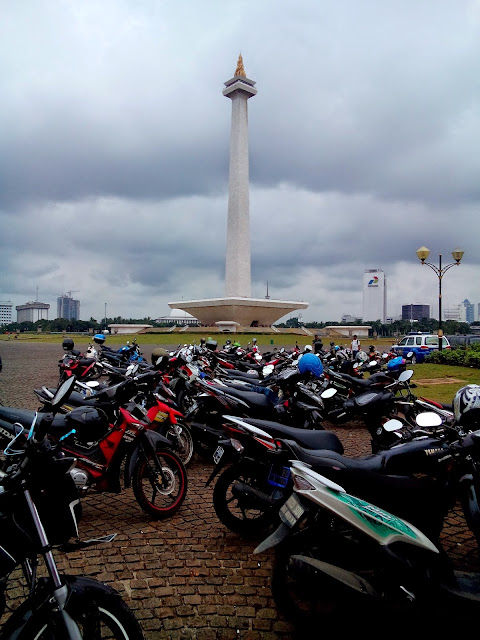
x,y
68,308
415,311
5,312
374,295
469,308
32,311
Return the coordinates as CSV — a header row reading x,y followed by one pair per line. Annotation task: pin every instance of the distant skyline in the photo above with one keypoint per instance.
x,y
363,144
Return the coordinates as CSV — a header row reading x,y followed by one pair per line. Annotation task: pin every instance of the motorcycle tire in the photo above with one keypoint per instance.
x,y
240,515
160,499
182,443
98,610
95,373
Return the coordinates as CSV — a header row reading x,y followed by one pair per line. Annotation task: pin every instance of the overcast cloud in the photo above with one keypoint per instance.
x,y
363,140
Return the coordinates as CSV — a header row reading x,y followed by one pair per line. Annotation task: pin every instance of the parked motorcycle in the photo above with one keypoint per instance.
x,y
40,509
144,396
156,474
74,363
377,557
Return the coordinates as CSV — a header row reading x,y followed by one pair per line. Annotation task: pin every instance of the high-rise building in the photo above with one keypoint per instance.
x,y
32,311
415,311
374,295
5,312
469,310
68,308
454,313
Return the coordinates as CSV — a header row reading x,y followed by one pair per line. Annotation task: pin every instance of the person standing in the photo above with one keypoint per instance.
x,y
317,344
355,347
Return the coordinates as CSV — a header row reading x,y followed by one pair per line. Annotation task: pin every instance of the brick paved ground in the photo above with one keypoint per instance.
x,y
188,576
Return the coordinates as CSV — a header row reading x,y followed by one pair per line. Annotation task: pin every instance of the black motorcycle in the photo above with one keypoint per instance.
x,y
39,508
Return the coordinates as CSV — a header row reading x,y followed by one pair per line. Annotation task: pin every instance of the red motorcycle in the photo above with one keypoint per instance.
x,y
156,474
74,363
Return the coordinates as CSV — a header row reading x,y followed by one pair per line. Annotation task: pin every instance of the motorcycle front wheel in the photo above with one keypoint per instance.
x,y
98,610
244,501
182,442
159,483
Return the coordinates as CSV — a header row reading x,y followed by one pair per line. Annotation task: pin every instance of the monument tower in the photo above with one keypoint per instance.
x,y
238,308
237,266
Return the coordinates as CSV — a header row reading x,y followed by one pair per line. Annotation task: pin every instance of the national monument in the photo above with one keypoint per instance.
x,y
238,309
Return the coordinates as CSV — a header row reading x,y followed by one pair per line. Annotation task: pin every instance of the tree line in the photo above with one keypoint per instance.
x,y
397,328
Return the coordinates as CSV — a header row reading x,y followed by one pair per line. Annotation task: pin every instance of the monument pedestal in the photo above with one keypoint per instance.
x,y
246,312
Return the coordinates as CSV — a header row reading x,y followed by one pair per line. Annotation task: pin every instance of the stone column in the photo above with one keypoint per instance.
x,y
237,267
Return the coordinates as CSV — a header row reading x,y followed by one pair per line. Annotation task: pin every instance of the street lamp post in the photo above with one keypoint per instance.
x,y
105,316
457,255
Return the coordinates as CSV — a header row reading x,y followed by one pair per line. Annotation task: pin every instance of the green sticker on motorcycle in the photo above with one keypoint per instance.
x,y
379,520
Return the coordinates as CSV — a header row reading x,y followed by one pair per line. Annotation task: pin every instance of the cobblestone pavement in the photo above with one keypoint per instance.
x,y
188,576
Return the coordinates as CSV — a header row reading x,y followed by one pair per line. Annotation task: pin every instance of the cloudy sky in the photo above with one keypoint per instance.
x,y
364,145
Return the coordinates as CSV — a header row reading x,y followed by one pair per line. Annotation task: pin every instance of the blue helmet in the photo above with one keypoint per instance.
x,y
395,364
312,363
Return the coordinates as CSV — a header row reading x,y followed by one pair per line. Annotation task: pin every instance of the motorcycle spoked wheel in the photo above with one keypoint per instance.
x,y
182,443
98,612
160,498
245,516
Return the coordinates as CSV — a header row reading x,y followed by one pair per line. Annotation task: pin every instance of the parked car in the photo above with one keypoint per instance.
x,y
420,344
463,341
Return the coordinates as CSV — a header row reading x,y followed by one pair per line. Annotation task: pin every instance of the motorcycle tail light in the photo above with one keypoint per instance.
x,y
238,446
302,484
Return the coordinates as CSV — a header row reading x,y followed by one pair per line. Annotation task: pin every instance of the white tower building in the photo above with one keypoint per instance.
x,y
237,265
238,308
374,296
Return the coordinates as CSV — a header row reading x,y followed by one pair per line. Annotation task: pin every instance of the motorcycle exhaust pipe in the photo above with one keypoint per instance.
x,y
251,498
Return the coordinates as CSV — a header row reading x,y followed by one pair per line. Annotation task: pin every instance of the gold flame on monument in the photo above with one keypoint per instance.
x,y
240,71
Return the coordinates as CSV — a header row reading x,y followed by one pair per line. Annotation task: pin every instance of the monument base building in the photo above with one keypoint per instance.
x,y
232,313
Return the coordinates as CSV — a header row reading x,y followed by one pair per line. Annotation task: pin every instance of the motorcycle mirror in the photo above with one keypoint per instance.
x,y
328,393
131,370
428,419
405,375
62,393
393,425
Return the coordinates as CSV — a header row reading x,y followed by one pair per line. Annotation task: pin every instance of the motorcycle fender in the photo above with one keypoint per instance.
x,y
469,499
348,578
154,440
274,539
80,589
225,459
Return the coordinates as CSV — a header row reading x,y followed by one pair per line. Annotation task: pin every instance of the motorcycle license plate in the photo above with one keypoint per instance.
x,y
217,456
292,510
192,408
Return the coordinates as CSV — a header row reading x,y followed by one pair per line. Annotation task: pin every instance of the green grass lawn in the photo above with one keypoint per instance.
x,y
443,391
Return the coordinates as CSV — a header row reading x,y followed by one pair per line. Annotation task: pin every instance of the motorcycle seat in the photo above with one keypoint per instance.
x,y
236,373
86,361
307,438
326,459
10,415
252,398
